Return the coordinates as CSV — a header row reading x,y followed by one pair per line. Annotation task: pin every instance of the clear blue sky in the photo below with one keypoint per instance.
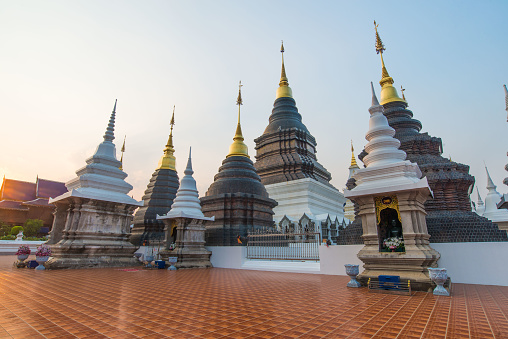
x,y
62,64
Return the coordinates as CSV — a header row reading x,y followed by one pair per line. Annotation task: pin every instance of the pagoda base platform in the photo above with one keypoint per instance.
x,y
187,259
91,262
307,195
92,256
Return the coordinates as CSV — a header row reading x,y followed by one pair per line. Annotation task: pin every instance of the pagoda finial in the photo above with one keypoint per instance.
x,y
375,102
284,90
353,159
188,169
490,183
122,150
110,135
388,92
238,147
506,98
168,160
480,201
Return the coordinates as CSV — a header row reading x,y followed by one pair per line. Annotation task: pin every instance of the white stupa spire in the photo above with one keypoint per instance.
x,y
110,131
480,207
101,178
186,203
382,148
387,169
490,183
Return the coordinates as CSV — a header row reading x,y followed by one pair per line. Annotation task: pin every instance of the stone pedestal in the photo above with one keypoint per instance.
x,y
409,265
91,233
190,243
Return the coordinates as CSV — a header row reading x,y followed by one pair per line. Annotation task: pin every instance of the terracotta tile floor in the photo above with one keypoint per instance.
x,y
223,303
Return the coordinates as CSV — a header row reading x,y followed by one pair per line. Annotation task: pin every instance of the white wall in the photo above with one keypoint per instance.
x,y
333,258
228,256
483,263
470,263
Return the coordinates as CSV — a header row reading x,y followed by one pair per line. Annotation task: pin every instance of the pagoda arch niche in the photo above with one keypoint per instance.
x,y
171,233
389,224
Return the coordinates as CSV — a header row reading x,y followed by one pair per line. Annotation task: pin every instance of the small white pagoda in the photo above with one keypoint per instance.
x,y
493,198
92,220
186,218
349,207
391,196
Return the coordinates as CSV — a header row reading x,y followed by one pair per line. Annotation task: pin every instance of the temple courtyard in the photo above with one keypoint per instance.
x,y
226,303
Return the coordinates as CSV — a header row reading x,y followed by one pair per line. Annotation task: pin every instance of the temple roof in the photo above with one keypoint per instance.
x,y
18,190
12,205
49,188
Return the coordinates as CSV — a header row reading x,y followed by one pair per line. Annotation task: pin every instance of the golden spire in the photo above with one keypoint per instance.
x,y
388,92
122,150
168,160
238,147
353,159
284,90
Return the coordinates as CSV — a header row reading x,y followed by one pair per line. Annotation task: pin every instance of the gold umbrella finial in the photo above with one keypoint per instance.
x,y
122,149
238,147
284,90
168,160
388,92
353,159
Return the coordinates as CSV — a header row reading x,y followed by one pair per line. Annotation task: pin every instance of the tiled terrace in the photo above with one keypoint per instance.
x,y
224,303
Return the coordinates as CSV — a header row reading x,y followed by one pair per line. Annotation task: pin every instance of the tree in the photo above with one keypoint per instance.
x,y
32,227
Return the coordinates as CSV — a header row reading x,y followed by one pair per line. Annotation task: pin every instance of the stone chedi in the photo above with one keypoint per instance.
x,y
159,195
449,216
493,198
287,164
390,194
349,207
236,198
92,221
185,223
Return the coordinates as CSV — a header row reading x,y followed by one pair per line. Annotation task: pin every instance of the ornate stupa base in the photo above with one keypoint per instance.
x,y
190,245
91,233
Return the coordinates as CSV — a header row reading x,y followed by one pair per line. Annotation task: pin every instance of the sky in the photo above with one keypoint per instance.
x,y
63,64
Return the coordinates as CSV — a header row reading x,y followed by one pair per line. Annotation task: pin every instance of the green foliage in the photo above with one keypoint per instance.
x,y
32,227
35,239
15,230
4,229
8,237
